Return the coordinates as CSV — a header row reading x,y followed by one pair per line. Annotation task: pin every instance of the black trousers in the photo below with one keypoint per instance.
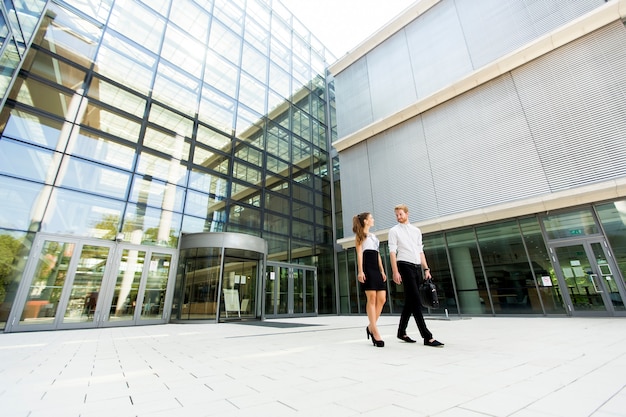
x,y
411,275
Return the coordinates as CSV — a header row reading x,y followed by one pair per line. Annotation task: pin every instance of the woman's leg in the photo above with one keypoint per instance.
x,y
372,312
381,299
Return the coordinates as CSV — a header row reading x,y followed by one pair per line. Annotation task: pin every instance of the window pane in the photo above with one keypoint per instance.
x,y
98,9
151,226
468,275
28,162
542,269
175,122
173,145
564,225
98,148
216,110
166,169
111,122
183,50
138,23
42,96
509,274
201,204
157,194
209,183
214,222
94,178
76,213
53,69
69,35
224,42
244,218
114,96
192,18
213,139
220,73
21,203
126,63
613,218
177,89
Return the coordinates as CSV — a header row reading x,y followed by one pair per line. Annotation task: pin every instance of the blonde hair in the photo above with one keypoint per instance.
x,y
402,207
358,222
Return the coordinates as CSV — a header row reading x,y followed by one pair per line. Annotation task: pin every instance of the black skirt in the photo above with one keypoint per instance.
x,y
373,277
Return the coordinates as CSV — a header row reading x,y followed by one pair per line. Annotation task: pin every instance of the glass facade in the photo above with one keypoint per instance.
x,y
136,121
564,263
127,124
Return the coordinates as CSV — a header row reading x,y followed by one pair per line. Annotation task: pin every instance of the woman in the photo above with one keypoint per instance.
x,y
371,273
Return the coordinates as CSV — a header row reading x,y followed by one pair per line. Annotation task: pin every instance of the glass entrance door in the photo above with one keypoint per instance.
x,y
290,290
137,290
81,283
587,278
62,285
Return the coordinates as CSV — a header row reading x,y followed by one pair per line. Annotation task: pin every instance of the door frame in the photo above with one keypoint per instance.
x,y
107,284
109,291
290,290
586,243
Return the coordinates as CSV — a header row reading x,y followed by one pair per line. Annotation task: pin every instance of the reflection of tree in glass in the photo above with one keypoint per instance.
x,y
9,247
109,225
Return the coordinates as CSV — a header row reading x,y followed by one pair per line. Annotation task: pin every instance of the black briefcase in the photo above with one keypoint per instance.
x,y
428,293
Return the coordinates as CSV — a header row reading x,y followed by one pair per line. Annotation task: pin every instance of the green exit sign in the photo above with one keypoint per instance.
x,y
576,232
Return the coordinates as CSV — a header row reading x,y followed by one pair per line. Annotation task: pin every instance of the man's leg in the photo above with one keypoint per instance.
x,y
411,288
407,310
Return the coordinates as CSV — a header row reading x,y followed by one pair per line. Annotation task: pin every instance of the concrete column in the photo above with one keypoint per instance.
x,y
465,281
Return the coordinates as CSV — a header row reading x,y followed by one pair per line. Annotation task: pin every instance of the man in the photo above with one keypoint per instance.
x,y
407,261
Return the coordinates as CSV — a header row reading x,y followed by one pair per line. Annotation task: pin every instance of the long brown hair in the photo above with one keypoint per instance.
x,y
358,222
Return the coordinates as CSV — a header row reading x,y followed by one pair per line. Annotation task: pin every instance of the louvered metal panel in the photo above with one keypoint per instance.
x,y
481,150
575,103
391,78
448,42
353,101
438,52
356,196
401,173
493,28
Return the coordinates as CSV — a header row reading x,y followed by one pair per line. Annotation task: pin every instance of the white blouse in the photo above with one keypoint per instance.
x,y
371,242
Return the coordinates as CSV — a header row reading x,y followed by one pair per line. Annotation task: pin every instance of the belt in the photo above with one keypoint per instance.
x,y
410,264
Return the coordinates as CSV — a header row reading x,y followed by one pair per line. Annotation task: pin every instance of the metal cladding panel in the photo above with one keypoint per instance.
x,y
493,28
575,102
353,101
438,51
356,194
481,149
401,173
390,77
448,42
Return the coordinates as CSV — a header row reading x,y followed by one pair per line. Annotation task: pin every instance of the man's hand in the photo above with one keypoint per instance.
x,y
397,278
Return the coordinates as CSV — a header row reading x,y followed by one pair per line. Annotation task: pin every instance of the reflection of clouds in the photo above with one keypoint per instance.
x,y
620,206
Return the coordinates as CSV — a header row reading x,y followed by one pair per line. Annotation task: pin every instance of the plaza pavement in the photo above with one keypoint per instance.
x,y
321,366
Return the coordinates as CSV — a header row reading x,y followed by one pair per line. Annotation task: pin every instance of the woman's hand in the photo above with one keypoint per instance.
x,y
361,277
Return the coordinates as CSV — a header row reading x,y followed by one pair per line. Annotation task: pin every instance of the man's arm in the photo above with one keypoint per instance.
x,y
425,266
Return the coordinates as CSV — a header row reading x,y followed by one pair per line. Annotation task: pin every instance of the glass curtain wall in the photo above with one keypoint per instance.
x,y
613,220
138,121
494,269
18,23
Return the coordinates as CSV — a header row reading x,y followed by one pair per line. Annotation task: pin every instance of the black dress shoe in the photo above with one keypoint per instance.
x,y
434,343
406,338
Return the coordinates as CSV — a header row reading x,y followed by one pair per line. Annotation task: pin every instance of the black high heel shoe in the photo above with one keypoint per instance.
x,y
378,343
